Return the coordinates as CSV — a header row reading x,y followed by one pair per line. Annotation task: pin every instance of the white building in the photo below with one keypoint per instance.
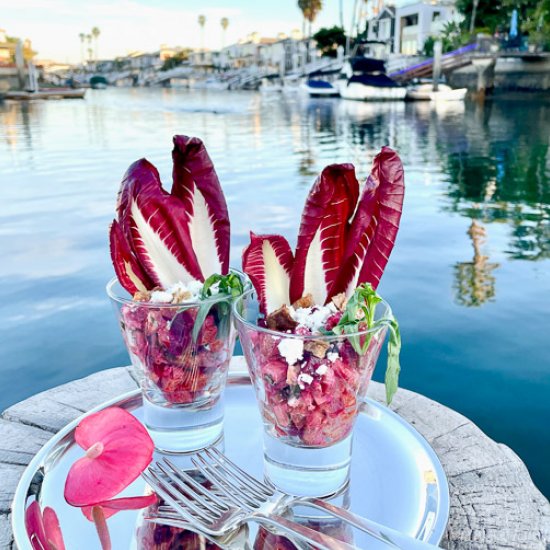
x,y
414,23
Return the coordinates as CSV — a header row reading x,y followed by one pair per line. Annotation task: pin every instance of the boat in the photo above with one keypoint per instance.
x,y
425,92
365,79
98,82
321,83
319,88
271,84
47,93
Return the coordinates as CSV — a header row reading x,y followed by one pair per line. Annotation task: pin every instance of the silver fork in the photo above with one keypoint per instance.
x,y
236,540
242,489
211,514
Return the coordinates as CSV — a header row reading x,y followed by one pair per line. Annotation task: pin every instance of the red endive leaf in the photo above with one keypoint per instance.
x,y
111,507
127,268
195,182
374,226
118,450
268,261
322,235
155,224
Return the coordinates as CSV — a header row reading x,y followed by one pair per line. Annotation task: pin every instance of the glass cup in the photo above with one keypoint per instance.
x,y
309,390
181,355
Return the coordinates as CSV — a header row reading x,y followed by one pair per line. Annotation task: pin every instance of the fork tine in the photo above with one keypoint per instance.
x,y
201,495
230,490
158,488
174,497
239,473
189,497
237,483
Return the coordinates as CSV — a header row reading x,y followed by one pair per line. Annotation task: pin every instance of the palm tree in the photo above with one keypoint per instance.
x,y
310,9
90,51
225,23
202,21
82,36
95,33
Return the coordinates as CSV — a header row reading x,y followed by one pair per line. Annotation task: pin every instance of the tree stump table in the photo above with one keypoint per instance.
x,y
494,503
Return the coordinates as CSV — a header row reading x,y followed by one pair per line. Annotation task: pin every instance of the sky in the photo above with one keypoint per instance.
x,y
130,25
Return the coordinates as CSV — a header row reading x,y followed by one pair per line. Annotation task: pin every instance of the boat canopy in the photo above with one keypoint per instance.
x,y
378,80
319,84
367,65
98,79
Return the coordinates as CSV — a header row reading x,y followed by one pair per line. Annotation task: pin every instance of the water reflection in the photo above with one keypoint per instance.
x,y
475,229
474,280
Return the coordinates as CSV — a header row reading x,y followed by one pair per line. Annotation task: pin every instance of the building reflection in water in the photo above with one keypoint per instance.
x,y
474,280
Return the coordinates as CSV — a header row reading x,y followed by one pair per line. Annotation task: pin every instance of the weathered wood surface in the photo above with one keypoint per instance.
x,y
494,504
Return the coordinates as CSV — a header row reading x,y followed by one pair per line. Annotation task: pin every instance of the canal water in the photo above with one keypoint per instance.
x,y
469,278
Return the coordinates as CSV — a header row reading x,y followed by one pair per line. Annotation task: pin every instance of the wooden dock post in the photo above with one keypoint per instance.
x,y
485,69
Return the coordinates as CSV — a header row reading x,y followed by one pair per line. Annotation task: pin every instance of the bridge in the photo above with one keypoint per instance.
x,y
482,54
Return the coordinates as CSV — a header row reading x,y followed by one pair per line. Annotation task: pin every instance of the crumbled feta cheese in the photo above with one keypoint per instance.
x,y
304,378
321,369
292,402
161,296
312,318
195,287
292,349
332,356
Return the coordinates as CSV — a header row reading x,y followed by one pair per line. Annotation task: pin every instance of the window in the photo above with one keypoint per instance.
x,y
436,16
384,29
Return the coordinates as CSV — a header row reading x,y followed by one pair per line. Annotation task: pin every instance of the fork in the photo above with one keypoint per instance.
x,y
211,514
242,489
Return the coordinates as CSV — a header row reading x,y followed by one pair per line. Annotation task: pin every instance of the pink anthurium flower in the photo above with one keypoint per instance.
x,y
118,449
43,528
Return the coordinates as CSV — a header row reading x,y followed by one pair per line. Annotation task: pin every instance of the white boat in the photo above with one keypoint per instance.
x,y
319,88
425,92
271,85
366,80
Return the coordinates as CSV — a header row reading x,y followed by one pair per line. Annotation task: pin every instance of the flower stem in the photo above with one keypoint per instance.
x,y
101,526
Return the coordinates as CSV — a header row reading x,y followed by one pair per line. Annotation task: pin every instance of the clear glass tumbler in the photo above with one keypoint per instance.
x,y
309,389
181,355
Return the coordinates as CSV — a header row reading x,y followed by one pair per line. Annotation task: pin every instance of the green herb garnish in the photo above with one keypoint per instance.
x,y
230,285
360,310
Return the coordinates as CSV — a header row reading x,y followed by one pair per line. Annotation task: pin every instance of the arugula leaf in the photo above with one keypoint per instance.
x,y
204,309
360,310
393,368
230,284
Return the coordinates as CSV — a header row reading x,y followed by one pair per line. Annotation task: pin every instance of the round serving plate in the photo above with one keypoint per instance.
x,y
396,477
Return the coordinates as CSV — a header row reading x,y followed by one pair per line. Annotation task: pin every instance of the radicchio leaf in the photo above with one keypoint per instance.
x,y
374,226
126,265
322,236
155,224
268,261
195,183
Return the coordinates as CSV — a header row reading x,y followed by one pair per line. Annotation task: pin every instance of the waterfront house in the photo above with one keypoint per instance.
x,y
6,49
414,23
381,29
